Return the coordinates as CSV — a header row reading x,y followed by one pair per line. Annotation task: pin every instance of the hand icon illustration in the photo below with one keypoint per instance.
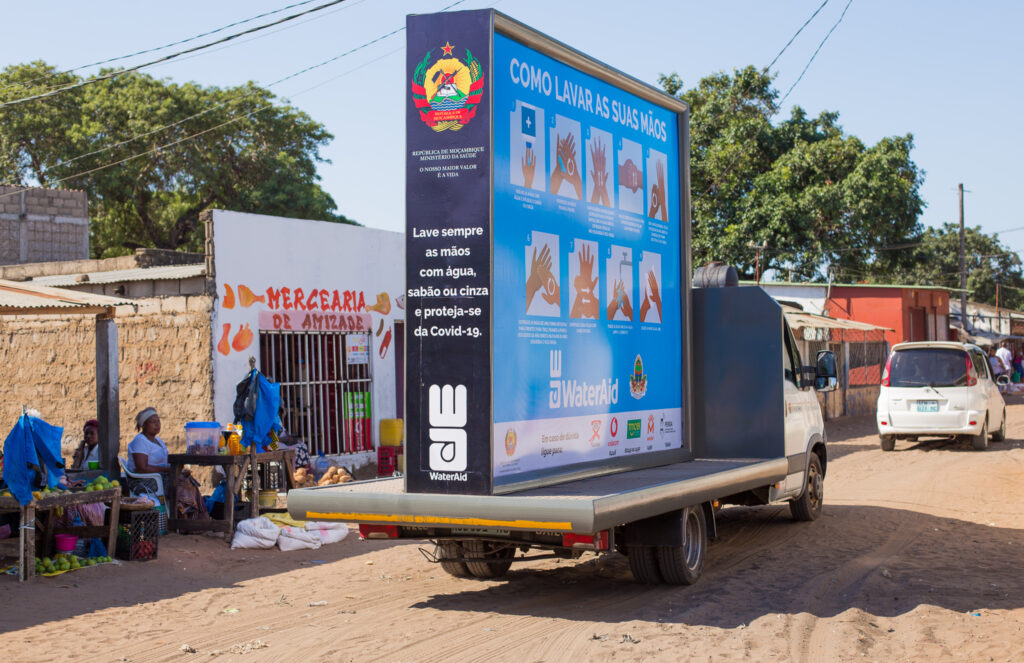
x,y
540,272
658,207
630,176
651,295
620,300
585,304
599,174
529,167
565,169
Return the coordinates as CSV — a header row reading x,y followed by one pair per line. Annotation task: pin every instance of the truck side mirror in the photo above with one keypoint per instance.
x,y
825,374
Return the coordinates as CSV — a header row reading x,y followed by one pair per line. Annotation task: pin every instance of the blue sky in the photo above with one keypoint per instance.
x,y
947,72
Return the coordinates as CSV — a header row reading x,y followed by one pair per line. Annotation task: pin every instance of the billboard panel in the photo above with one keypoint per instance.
x,y
587,314
546,269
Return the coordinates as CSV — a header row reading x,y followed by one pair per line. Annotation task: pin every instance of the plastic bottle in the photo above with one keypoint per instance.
x,y
320,466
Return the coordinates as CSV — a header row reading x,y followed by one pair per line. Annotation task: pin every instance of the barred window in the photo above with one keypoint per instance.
x,y
325,386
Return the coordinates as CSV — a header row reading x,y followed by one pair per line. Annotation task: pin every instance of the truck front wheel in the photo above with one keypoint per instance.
x,y
684,564
808,505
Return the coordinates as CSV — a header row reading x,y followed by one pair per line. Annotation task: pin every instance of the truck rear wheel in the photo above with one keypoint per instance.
x,y
684,564
643,562
808,505
452,549
1000,435
887,442
499,556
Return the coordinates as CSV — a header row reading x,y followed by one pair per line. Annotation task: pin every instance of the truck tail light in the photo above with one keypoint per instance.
x,y
597,541
885,373
972,379
378,531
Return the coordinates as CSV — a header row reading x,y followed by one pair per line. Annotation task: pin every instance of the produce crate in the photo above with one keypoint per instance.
x,y
387,460
138,534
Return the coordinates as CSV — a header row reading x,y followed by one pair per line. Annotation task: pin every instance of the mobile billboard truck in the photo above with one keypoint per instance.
x,y
567,389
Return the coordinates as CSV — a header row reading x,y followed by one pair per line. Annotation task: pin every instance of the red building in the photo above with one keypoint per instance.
x,y
916,313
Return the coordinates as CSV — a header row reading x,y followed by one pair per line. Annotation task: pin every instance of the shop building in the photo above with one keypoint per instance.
x,y
318,305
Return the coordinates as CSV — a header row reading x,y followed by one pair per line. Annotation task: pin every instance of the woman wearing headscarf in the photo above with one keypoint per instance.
x,y
147,453
89,448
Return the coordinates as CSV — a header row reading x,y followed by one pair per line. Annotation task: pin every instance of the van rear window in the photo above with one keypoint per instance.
x,y
936,367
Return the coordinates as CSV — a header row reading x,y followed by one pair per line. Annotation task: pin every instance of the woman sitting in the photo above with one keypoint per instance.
x,y
147,453
89,448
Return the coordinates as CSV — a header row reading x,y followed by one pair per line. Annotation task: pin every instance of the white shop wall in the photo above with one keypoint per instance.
x,y
349,277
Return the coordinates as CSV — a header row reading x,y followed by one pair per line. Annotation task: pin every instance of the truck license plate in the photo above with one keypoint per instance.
x,y
927,406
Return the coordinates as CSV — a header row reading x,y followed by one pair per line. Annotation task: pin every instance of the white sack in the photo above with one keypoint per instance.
x,y
298,538
255,533
329,532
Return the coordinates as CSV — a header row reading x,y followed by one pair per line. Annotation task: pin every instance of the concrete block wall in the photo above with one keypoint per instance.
x,y
40,225
165,361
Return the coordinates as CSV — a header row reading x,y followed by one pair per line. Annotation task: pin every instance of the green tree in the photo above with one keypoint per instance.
x,y
811,195
936,261
178,150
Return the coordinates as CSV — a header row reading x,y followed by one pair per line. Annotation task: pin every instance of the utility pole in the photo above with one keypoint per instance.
x,y
963,264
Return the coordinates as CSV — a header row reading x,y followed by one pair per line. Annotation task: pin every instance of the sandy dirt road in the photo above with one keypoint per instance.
x,y
917,557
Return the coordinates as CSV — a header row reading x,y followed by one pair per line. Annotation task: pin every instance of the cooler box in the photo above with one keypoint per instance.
x,y
202,437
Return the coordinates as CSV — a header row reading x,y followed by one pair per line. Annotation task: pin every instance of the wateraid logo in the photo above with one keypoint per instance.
x,y
577,393
448,449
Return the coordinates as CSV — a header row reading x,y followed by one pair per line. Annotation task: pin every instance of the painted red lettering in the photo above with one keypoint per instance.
x,y
300,299
361,305
286,298
273,298
311,302
348,300
325,302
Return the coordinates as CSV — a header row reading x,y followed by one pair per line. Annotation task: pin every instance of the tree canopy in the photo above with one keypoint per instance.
x,y
812,196
178,149
936,261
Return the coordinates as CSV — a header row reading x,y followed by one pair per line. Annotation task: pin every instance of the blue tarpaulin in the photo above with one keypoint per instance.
x,y
260,413
32,442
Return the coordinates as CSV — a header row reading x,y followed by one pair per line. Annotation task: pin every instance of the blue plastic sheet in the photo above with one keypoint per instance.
x,y
32,442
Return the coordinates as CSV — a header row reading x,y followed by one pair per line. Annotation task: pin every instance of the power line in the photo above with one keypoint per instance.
x,y
229,101
158,48
796,34
231,121
121,72
815,54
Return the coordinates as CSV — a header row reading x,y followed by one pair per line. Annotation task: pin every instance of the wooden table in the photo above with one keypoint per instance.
x,y
25,547
236,468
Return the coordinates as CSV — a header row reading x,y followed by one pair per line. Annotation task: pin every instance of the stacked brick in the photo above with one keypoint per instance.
x,y
41,225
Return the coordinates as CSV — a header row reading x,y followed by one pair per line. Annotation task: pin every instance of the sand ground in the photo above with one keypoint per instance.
x,y
917,557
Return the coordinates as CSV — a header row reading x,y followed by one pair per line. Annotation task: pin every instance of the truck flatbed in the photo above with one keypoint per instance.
x,y
584,506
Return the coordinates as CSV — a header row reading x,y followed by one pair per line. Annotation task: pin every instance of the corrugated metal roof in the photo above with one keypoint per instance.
x,y
798,318
165,273
26,298
803,284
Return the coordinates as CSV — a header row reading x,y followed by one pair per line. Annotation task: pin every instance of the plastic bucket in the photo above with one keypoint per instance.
x,y
202,437
268,499
391,432
65,543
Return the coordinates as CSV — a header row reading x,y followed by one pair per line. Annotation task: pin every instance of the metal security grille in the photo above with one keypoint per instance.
x,y
325,387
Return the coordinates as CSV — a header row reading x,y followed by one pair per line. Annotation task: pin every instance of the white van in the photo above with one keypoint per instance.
x,y
939,388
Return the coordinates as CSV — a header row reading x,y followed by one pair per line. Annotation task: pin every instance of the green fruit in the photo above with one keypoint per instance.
x,y
47,561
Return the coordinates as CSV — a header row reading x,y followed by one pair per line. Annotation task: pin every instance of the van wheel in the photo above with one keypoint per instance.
x,y
980,441
450,549
684,564
887,442
643,562
500,554
1000,434
808,505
